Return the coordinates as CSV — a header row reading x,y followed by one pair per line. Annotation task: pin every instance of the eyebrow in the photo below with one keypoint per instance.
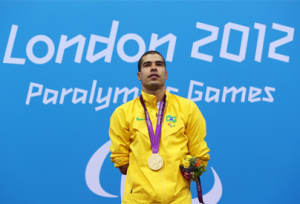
x,y
158,61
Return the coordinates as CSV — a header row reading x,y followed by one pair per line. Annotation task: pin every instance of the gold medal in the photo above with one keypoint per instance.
x,y
155,162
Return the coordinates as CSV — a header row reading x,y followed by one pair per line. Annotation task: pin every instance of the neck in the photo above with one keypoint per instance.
x,y
159,93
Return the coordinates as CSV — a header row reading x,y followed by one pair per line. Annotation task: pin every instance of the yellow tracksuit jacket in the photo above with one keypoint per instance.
x,y
131,144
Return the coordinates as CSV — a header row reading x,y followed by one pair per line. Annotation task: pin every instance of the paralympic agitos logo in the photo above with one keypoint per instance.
x,y
93,171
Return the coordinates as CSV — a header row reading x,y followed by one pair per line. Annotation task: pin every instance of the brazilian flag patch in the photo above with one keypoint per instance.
x,y
171,118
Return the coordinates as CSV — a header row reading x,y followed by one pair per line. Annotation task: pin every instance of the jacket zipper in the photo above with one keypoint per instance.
x,y
163,188
162,181
132,183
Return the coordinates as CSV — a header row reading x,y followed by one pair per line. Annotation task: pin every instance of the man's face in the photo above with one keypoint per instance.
x,y
153,72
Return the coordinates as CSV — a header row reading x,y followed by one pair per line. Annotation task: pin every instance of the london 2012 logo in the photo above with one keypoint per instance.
x,y
156,40
93,171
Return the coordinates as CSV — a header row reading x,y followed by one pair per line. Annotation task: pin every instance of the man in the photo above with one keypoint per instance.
x,y
151,160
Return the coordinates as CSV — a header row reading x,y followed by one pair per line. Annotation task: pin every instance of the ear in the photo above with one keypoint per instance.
x,y
139,76
166,74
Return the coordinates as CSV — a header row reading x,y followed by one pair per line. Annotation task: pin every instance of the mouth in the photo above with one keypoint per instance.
x,y
153,76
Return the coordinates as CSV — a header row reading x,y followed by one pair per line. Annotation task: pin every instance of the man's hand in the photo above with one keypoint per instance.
x,y
123,169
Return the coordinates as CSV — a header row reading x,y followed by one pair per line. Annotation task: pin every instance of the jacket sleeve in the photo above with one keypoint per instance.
x,y
119,136
196,132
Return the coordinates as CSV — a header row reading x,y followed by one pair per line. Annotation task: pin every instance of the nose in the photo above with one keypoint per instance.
x,y
153,67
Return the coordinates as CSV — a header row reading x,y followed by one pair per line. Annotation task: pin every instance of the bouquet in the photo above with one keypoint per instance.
x,y
191,168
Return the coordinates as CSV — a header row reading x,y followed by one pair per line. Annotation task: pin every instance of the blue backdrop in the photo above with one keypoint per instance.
x,y
66,63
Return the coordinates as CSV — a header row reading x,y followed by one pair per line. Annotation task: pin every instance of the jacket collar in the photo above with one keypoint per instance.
x,y
150,100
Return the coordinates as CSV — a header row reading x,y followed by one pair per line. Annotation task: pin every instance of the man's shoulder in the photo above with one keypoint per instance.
x,y
182,100
188,105
128,106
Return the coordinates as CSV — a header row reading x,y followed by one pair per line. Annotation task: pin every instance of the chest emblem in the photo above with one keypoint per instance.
x,y
170,118
170,125
139,119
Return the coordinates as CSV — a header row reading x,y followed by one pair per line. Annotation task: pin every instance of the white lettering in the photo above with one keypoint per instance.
x,y
214,97
192,83
126,92
63,44
110,45
106,99
267,90
10,44
120,47
253,92
93,91
31,43
171,89
273,45
81,99
63,94
33,94
260,41
243,47
154,42
53,99
234,92
213,37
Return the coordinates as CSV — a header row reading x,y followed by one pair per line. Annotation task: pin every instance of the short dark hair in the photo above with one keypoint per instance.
x,y
152,52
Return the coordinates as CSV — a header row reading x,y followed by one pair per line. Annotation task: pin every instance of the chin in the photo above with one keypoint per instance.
x,y
154,86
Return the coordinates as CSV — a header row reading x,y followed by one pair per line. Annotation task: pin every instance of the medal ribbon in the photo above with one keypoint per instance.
x,y
154,138
199,190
